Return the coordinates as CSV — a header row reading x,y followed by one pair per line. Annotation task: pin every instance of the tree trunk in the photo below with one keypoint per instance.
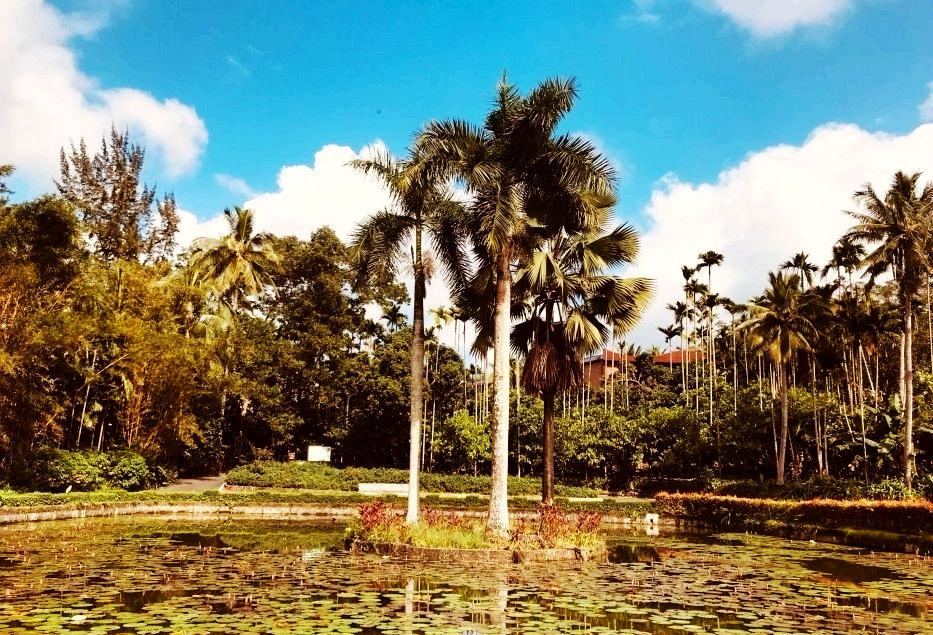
x,y
498,522
547,476
908,394
782,444
417,383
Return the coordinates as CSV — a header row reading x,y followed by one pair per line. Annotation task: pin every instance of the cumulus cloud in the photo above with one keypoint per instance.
x,y
769,18
778,201
48,100
326,192
926,108
235,185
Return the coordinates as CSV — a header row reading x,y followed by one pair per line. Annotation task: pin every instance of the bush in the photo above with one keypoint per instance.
x,y
55,470
302,475
913,516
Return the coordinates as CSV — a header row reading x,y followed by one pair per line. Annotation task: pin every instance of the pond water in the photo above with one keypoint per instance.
x,y
206,576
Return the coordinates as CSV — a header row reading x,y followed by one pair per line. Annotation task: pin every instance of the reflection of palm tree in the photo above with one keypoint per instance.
x,y
518,171
239,264
899,229
570,307
781,324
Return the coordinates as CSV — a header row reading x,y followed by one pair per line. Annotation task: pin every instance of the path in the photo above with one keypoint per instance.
x,y
194,484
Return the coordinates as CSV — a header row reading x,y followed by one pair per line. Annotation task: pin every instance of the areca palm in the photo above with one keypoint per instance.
x,y
781,325
420,203
898,230
570,307
801,265
520,173
237,265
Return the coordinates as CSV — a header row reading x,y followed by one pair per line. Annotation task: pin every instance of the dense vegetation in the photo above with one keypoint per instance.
x,y
204,357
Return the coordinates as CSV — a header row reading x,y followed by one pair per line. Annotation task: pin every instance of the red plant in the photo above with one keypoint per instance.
x,y
435,518
377,514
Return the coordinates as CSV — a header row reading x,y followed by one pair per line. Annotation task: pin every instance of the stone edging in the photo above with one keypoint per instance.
x,y
59,512
485,556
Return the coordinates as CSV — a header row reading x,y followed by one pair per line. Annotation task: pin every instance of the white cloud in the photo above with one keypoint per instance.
x,y
776,202
48,101
235,185
770,18
926,108
327,192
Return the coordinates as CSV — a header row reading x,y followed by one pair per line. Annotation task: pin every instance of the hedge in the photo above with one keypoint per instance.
x,y
906,517
303,475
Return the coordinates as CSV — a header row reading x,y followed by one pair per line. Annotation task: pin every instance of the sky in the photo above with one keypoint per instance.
x,y
740,126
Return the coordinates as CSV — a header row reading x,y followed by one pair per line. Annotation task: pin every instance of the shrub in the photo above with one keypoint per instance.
x,y
55,470
302,475
911,516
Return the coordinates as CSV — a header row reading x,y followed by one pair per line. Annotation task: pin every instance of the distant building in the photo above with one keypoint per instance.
x,y
678,356
600,367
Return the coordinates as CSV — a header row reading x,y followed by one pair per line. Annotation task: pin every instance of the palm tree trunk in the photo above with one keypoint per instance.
x,y
908,394
547,476
782,444
498,522
417,383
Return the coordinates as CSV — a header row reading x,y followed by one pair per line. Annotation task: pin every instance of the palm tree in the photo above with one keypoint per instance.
x,y
900,226
570,307
394,318
517,172
781,325
420,203
237,265
801,265
669,333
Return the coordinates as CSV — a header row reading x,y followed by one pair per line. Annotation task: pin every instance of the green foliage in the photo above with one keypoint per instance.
x,y
56,470
913,516
315,476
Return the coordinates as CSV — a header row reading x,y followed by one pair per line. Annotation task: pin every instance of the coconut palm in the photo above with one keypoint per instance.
x,y
898,230
420,204
570,307
519,173
782,323
237,265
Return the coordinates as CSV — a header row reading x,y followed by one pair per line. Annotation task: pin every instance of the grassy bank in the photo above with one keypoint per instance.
x,y
302,475
11,500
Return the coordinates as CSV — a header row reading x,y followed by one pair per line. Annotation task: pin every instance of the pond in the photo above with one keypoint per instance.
x,y
198,576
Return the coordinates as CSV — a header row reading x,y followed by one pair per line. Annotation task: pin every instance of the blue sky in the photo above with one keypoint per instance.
x,y
697,102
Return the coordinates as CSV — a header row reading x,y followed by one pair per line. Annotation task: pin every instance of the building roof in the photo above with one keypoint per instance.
x,y
609,357
678,356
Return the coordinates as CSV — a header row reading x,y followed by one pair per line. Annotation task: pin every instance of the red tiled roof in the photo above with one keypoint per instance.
x,y
610,357
678,356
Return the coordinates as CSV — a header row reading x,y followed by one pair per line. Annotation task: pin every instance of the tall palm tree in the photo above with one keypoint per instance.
x,y
898,228
420,203
570,307
800,264
669,333
237,265
394,318
781,325
519,172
